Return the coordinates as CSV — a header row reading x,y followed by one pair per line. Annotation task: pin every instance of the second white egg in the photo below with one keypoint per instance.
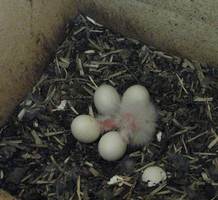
x,y
106,100
111,146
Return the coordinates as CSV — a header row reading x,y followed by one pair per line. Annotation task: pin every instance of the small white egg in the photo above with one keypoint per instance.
x,y
106,100
153,175
85,128
136,93
111,146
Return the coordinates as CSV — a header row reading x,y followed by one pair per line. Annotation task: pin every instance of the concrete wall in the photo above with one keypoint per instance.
x,y
29,32
187,28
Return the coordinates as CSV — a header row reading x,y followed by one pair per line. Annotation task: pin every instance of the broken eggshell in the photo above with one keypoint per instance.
x,y
153,175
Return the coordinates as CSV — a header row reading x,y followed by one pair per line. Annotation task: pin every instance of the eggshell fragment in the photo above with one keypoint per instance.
x,y
106,100
115,180
111,146
153,175
85,128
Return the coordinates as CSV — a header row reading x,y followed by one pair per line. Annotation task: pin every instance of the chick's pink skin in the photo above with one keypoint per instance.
x,y
137,122
108,124
131,123
130,126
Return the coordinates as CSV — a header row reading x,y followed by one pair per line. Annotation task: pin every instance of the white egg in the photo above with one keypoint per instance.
x,y
85,128
153,175
111,146
106,100
136,93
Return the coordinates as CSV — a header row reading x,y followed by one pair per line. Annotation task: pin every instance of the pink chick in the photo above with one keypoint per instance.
x,y
107,123
137,116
